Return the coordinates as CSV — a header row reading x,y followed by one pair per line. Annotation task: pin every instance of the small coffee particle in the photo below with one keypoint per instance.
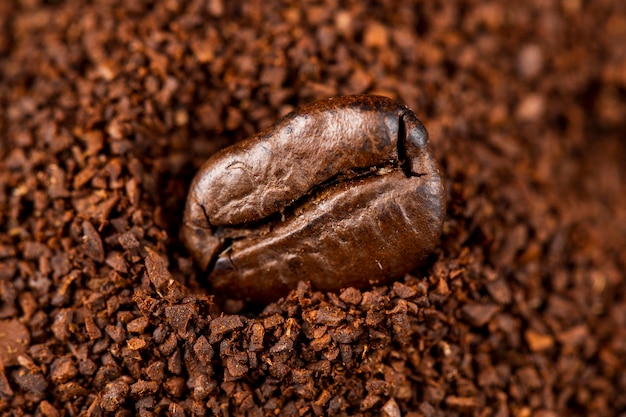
x,y
15,340
343,192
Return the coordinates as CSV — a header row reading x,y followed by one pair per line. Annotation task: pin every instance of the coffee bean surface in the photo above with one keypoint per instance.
x,y
342,193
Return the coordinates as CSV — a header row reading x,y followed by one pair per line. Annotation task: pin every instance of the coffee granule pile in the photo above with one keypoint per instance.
x,y
108,108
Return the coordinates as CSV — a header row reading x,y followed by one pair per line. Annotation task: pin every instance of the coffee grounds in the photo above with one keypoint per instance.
x,y
108,108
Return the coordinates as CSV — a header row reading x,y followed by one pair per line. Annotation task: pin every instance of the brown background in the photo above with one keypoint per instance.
x,y
108,107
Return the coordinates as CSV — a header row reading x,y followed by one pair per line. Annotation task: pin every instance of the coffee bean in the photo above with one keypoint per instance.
x,y
342,193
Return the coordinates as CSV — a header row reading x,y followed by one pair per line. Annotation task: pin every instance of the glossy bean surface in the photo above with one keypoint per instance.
x,y
343,192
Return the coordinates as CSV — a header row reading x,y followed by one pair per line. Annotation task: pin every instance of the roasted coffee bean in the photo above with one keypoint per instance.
x,y
343,192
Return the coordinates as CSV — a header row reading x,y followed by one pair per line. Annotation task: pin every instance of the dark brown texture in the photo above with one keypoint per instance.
x,y
109,107
342,192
